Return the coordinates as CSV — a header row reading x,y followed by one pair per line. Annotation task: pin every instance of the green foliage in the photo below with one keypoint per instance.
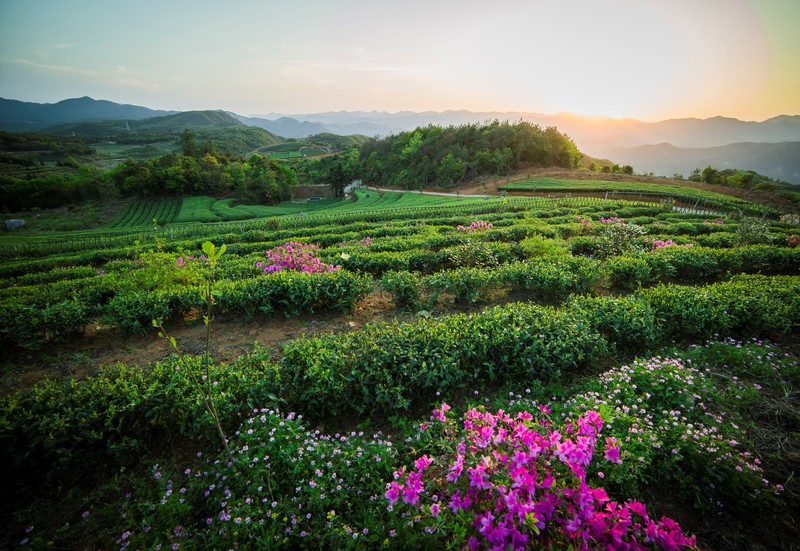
x,y
31,325
537,246
736,178
56,427
144,212
617,190
448,156
672,417
552,279
293,293
404,286
385,368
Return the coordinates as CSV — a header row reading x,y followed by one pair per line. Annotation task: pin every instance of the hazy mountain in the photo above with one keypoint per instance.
x,y
284,126
24,116
780,161
593,135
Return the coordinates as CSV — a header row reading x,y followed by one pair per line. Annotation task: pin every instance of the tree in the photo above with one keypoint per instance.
x,y
188,143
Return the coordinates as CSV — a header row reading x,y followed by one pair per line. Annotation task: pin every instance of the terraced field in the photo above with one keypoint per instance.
x,y
422,364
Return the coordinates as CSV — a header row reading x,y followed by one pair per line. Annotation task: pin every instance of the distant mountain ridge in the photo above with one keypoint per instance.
x,y
779,161
718,141
20,116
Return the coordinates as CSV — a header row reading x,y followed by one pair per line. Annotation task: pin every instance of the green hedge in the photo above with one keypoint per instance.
x,y
386,367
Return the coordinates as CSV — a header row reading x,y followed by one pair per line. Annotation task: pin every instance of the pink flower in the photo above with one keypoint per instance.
x,y
422,463
612,450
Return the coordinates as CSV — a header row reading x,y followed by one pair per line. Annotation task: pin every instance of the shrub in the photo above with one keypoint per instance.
x,y
404,286
519,482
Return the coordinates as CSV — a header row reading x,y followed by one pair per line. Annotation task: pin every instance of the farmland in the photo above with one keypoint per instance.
x,y
640,348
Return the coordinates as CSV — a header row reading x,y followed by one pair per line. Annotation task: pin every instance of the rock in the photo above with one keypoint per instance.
x,y
14,224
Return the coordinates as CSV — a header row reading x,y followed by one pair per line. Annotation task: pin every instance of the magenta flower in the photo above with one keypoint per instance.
x,y
612,450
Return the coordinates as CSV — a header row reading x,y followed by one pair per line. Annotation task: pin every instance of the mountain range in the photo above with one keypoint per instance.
x,y
666,147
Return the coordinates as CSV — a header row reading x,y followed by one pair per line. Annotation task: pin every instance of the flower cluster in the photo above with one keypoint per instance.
x,y
793,241
517,481
660,244
300,257
718,222
664,411
612,220
476,227
365,242
283,485
183,261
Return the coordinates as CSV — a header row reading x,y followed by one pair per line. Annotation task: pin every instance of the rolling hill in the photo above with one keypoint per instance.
x,y
779,161
19,116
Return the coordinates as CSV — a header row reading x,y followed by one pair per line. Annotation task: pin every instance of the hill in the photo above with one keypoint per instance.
x,y
284,126
26,116
779,161
227,133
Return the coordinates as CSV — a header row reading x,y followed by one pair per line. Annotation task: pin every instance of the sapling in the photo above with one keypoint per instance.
x,y
208,292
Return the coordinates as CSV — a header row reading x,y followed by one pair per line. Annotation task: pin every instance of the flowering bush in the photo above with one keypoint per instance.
x,y
514,482
793,241
660,243
365,242
668,414
619,237
300,257
282,485
476,227
188,260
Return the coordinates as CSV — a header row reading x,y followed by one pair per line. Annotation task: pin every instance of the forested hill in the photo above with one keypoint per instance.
x,y
227,133
176,122
443,157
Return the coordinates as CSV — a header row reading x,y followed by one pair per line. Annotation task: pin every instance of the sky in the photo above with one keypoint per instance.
x,y
644,59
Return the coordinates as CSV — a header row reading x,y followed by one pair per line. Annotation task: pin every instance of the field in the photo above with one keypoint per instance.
x,y
630,190
108,155
296,150
405,371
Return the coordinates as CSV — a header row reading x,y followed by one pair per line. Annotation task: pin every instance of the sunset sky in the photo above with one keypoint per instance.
x,y
645,59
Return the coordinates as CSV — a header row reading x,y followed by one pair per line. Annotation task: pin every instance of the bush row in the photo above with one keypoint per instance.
x,y
380,370
386,368
133,309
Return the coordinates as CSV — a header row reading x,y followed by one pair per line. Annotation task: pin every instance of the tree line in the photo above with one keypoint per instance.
x,y
255,179
743,179
429,156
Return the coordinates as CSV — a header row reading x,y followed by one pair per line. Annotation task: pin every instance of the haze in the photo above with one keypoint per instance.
x,y
645,59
